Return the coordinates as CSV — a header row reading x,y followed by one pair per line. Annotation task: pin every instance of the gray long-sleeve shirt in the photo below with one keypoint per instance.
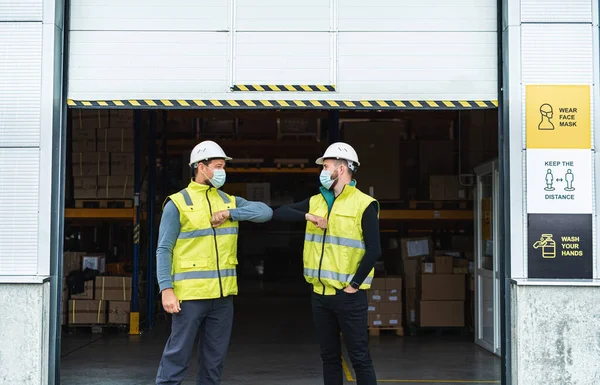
x,y
170,226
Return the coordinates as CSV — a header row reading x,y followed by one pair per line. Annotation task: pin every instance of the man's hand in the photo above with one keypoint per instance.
x,y
350,290
219,218
170,302
317,221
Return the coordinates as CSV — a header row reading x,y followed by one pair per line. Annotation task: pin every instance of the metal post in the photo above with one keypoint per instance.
x,y
134,318
504,210
150,276
164,157
334,126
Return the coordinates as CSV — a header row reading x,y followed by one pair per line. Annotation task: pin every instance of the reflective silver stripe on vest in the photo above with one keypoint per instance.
x,y
339,241
207,232
186,197
327,274
224,197
209,274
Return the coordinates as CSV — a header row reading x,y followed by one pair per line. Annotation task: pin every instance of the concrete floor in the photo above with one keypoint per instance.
x,y
273,344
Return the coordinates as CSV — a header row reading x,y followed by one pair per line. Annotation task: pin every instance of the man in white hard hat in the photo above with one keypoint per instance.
x,y
196,266
341,247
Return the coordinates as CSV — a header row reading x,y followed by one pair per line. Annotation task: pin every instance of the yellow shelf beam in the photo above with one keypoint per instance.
x,y
426,215
100,213
272,170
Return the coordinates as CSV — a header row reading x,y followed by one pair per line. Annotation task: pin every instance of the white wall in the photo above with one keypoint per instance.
x,y
381,49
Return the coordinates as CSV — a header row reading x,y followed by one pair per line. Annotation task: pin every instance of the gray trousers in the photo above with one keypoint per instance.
x,y
214,320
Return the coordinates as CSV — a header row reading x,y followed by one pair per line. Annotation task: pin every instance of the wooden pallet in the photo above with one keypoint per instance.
x,y
376,331
103,203
439,205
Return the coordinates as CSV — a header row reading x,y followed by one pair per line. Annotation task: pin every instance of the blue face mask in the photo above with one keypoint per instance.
x,y
218,179
326,180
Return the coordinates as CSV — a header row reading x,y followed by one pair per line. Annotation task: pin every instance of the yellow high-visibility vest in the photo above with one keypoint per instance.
x,y
331,257
204,258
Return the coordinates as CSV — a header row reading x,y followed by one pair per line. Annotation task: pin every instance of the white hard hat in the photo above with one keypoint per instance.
x,y
341,150
207,150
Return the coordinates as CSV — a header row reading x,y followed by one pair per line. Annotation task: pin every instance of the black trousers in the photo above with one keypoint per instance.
x,y
213,319
347,313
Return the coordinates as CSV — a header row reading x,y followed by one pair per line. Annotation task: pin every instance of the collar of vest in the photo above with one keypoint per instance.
x,y
197,187
329,195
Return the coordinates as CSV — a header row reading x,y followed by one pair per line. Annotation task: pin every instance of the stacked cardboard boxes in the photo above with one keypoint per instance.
x,y
435,284
110,302
102,159
446,188
106,299
385,303
413,251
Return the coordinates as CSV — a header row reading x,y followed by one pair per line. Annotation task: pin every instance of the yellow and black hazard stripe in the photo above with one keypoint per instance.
x,y
288,104
283,88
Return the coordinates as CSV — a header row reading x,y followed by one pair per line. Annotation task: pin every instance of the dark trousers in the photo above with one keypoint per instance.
x,y
347,313
214,320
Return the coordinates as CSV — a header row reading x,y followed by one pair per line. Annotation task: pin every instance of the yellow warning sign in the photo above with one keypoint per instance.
x,y
558,116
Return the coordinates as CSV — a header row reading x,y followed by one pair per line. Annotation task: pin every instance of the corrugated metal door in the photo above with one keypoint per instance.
x,y
20,121
243,52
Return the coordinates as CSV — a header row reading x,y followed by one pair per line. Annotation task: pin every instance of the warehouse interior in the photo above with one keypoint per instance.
x,y
432,170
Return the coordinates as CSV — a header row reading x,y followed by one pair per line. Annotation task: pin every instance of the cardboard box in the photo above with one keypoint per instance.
x,y
446,187
378,284
460,270
416,247
118,268
444,265
439,287
411,268
118,312
113,288
393,320
393,297
427,268
85,311
91,164
461,262
85,193
121,119
115,187
390,307
116,140
373,307
71,261
376,320
393,285
88,292
121,164
90,119
442,314
377,295
437,187
94,262
83,145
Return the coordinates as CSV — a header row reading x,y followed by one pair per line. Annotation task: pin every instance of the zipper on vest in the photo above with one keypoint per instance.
x,y
216,244
323,246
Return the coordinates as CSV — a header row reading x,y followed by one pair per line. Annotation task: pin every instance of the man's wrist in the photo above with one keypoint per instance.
x,y
355,285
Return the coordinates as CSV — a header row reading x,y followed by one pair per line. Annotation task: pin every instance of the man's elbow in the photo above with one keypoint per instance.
x,y
266,214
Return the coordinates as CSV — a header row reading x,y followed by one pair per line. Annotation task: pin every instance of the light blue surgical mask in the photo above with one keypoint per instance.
x,y
326,180
218,179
